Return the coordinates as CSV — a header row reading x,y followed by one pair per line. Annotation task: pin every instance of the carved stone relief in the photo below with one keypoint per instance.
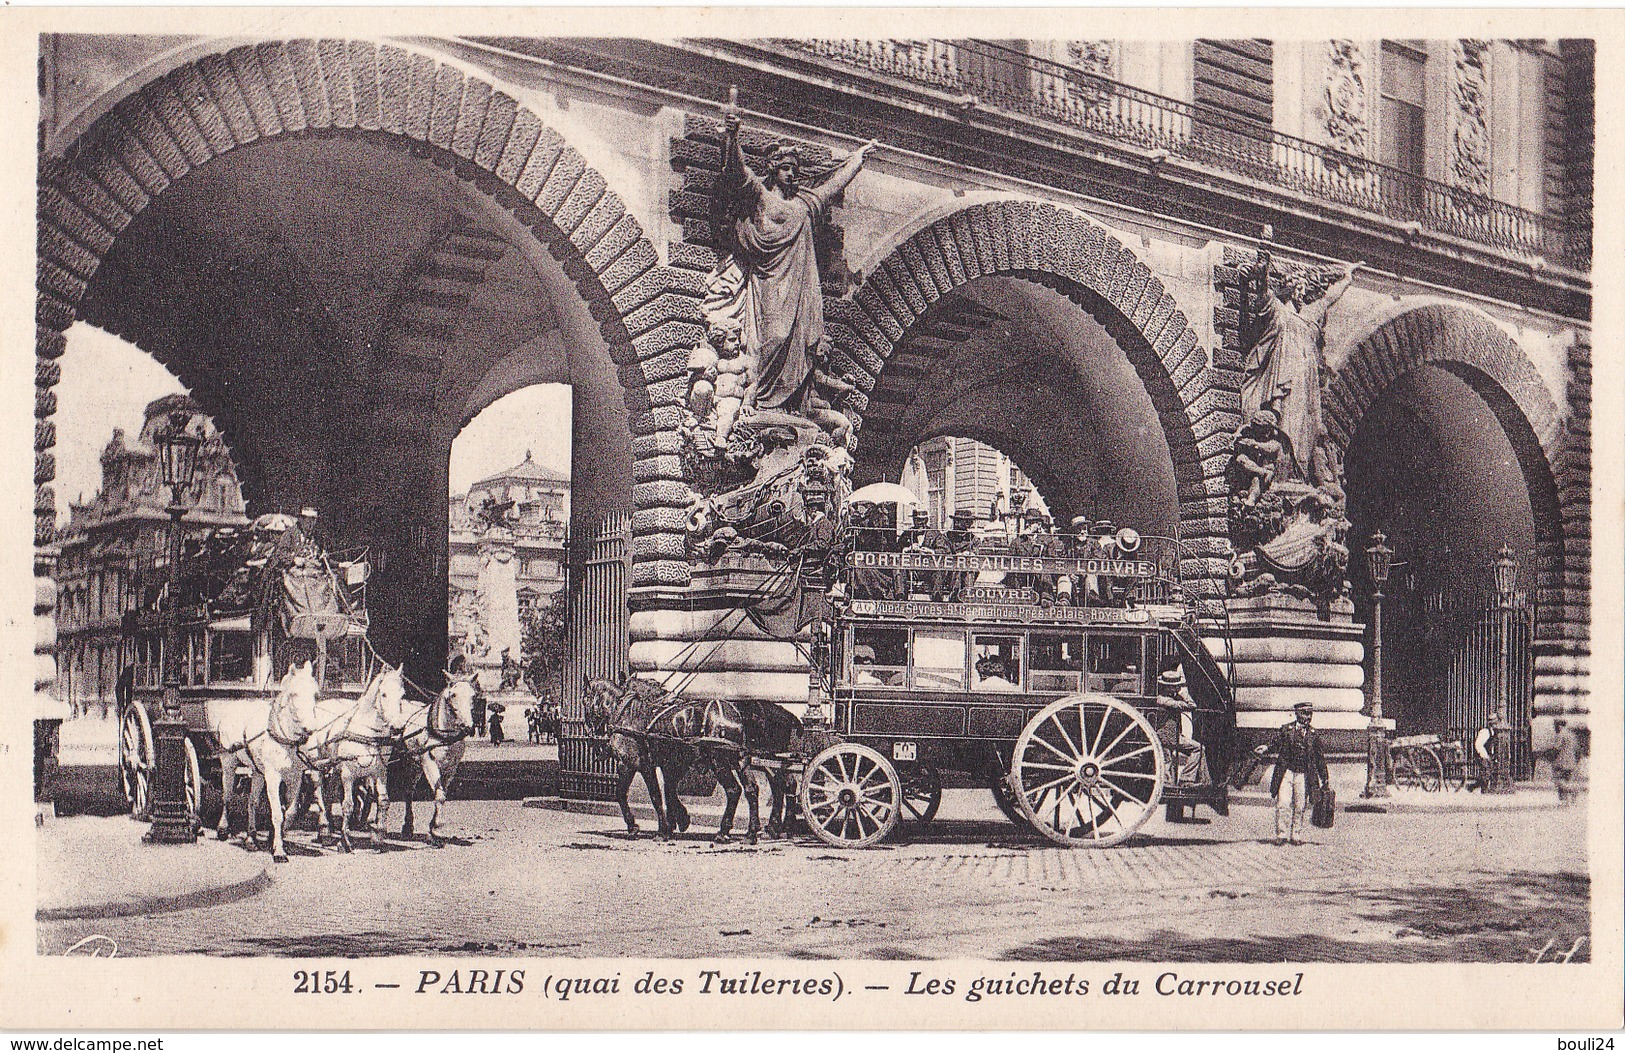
x,y
1347,99
1470,138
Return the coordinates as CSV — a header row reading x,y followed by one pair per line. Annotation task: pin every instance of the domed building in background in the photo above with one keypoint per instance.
x,y
507,556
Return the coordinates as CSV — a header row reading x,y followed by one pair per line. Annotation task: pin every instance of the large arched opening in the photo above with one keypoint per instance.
x,y
1021,368
1028,327
1444,425
346,252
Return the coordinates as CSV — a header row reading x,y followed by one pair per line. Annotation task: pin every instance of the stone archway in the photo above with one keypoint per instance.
x,y
307,89
1195,402
1473,348
518,178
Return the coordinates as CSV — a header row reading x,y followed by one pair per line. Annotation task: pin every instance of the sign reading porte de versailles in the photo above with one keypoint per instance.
x,y
977,562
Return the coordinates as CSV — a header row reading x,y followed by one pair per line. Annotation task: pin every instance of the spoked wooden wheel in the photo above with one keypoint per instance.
x,y
136,761
1418,770
850,796
922,792
194,783
1089,771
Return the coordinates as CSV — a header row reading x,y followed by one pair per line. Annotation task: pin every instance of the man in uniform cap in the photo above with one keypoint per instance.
x,y
1300,772
960,539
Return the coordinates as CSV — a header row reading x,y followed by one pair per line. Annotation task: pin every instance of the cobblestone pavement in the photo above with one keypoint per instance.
x,y
1485,886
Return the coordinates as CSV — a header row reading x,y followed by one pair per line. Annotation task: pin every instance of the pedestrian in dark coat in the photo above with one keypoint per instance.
x,y
1300,772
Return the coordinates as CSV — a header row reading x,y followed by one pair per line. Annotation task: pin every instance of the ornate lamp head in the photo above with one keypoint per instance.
x,y
1506,573
1379,558
178,445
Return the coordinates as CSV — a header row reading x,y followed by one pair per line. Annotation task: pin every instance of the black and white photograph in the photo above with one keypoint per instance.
x,y
1017,521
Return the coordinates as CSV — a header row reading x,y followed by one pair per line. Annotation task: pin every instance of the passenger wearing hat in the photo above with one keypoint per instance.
x,y
960,539
1300,772
1177,729
992,674
924,538
863,663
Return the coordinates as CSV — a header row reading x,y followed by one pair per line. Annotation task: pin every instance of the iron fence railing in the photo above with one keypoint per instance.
x,y
987,74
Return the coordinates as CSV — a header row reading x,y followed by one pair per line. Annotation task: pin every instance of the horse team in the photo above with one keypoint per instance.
x,y
653,734
294,732
649,732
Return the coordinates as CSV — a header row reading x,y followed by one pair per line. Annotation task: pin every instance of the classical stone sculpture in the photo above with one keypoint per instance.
x,y
1284,360
1285,476
780,304
767,432
720,375
1260,446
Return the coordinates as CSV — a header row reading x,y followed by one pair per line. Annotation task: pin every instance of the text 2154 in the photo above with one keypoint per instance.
x,y
317,981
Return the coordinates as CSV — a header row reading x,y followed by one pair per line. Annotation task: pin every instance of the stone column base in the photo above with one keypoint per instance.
x,y
736,632
1282,651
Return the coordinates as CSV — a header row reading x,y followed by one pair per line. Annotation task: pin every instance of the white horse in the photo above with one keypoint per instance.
x,y
436,736
266,736
356,739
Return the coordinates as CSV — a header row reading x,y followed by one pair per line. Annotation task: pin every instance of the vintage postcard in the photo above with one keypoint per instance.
x,y
707,518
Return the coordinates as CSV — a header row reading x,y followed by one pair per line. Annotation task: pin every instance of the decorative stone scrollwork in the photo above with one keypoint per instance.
x,y
1348,122
1470,137
1094,57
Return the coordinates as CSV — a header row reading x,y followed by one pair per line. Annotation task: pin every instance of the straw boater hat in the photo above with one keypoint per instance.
x,y
1080,524
1172,678
1104,528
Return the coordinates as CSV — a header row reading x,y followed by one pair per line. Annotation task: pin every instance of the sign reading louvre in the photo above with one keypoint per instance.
x,y
978,562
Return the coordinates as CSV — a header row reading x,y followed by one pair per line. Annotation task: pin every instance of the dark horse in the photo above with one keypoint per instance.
x,y
653,734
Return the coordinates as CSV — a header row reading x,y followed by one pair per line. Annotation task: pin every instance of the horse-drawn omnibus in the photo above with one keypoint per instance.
x,y
1062,672
249,605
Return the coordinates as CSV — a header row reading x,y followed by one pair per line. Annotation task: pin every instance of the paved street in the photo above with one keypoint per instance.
x,y
1416,886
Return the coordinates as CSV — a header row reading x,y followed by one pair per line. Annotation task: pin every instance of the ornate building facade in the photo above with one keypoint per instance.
x,y
114,549
507,536
1105,258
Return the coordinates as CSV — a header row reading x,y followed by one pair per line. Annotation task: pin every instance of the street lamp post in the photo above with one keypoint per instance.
x,y
1506,587
1379,559
172,819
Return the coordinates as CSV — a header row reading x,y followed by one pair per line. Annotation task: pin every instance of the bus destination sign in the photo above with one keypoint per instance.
x,y
995,612
976,562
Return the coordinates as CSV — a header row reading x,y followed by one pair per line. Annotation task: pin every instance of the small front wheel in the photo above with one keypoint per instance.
x,y
851,796
922,792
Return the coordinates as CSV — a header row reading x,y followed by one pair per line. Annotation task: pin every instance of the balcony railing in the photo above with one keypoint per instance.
x,y
995,76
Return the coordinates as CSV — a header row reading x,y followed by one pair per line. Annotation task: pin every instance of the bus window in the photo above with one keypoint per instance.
x,y
939,660
1114,664
879,656
997,662
231,657
1056,661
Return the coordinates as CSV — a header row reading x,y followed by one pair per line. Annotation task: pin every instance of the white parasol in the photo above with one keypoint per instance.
x,y
885,494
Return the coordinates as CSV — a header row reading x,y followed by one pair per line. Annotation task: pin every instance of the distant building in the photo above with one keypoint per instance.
x,y
537,519
949,473
116,545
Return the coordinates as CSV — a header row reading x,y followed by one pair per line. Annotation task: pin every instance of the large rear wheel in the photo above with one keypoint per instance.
x,y
1089,770
136,761
850,796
